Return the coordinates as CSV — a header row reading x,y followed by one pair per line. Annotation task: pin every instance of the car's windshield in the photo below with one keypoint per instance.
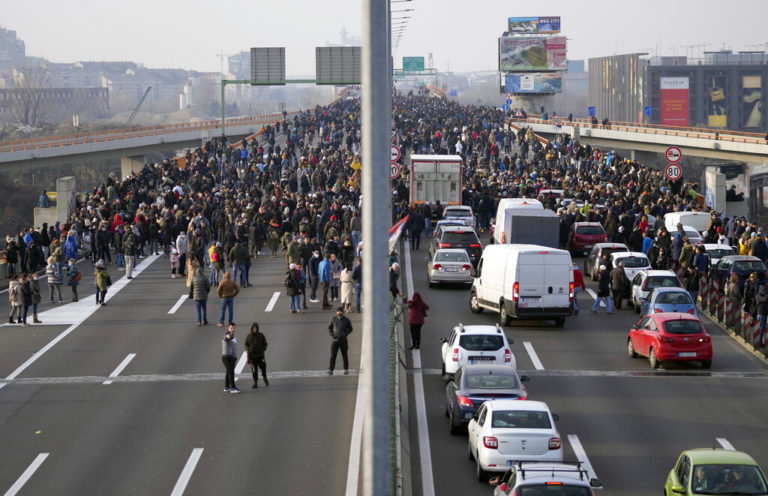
x,y
632,262
454,256
457,213
460,237
481,342
521,420
749,266
491,381
552,490
661,282
727,479
682,326
589,230
674,298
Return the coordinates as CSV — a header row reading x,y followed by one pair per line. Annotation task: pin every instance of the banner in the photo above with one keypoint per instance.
x,y
395,231
535,82
674,101
534,25
751,101
716,102
532,54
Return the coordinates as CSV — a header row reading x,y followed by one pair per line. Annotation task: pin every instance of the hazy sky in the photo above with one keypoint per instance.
x,y
461,34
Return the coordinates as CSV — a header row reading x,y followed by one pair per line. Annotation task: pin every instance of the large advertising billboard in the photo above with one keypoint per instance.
x,y
535,82
532,54
674,101
534,25
717,114
751,101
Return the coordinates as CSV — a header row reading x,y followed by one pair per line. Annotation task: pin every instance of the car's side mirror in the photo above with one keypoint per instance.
x,y
524,378
494,481
443,340
595,482
556,417
511,341
677,488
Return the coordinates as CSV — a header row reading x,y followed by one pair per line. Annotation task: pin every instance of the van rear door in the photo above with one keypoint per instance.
x,y
530,279
558,275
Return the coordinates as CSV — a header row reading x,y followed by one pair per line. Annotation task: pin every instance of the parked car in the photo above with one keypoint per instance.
x,y
504,432
457,237
708,471
741,265
717,251
471,344
461,213
670,337
475,384
585,235
451,265
669,300
647,280
634,262
598,254
534,478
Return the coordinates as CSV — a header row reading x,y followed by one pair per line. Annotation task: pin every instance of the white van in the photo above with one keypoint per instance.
x,y
524,281
501,209
697,220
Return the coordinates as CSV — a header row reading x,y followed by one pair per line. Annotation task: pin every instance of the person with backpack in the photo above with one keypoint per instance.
x,y
73,279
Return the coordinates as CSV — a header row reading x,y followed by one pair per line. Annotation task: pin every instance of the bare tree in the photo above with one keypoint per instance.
x,y
27,96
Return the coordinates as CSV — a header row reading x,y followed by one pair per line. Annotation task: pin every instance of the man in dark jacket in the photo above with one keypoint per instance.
x,y
339,328
603,290
256,346
619,283
394,277
129,247
415,227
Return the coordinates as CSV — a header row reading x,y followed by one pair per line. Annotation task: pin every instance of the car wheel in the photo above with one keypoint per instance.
x,y
707,364
455,428
504,319
430,283
653,361
482,475
474,303
559,321
637,306
631,349
442,371
469,451
446,410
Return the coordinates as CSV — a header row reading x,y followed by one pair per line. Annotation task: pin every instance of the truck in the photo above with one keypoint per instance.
x,y
530,226
436,178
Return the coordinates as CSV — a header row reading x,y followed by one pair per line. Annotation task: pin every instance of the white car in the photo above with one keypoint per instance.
x,y
505,432
634,262
545,478
693,235
476,344
461,213
646,281
717,251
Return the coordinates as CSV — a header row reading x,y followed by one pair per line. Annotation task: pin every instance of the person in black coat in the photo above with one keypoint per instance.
x,y
603,290
339,328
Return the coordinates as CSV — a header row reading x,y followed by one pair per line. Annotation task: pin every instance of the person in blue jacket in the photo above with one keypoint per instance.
x,y
324,275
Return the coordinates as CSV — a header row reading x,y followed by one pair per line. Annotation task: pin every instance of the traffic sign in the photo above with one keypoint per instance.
x,y
673,154
673,172
557,120
454,92
648,110
395,170
592,111
509,101
505,107
394,154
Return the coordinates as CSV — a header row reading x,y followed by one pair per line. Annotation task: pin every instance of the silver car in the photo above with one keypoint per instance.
x,y
461,213
450,265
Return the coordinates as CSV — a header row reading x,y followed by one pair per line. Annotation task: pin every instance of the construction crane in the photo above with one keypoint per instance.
x,y
138,106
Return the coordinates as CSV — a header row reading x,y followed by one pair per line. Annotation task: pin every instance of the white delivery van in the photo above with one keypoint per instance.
x,y
525,282
501,213
697,220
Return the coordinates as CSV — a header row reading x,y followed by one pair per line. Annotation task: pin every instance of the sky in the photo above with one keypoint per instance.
x,y
461,35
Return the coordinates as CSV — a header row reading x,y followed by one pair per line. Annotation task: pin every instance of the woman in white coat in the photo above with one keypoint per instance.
x,y
347,288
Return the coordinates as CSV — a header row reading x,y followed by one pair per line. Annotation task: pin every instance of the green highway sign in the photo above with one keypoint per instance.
x,y
413,64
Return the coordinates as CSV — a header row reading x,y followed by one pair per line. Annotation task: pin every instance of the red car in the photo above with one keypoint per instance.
x,y
585,235
670,337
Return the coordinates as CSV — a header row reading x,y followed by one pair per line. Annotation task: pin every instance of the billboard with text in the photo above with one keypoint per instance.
x,y
674,101
532,54
534,25
534,82
751,101
717,113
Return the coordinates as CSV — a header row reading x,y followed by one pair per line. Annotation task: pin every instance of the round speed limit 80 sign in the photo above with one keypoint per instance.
x,y
673,172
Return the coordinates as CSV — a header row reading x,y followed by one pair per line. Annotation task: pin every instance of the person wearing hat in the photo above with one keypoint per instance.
x,y
603,290
339,328
103,281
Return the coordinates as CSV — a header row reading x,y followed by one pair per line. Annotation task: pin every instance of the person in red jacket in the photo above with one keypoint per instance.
x,y
417,312
578,285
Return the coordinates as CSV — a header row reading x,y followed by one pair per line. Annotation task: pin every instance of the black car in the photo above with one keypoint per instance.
x,y
741,265
472,385
598,255
457,237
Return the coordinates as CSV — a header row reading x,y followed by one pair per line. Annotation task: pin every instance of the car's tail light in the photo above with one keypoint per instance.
x,y
553,483
503,238
490,442
657,310
507,356
665,339
475,245
466,266
524,397
705,339
515,291
554,443
443,245
437,267
690,311
464,401
455,354
570,291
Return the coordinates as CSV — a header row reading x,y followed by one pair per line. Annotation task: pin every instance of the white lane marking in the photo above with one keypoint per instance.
x,y
120,368
356,443
272,301
425,451
594,296
534,357
180,302
581,455
186,474
28,473
725,443
240,364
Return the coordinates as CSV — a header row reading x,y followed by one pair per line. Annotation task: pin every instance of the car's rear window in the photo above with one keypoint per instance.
x,y
682,326
452,257
614,249
481,342
633,262
749,266
521,420
674,298
457,213
460,237
719,253
492,381
552,490
589,230
661,282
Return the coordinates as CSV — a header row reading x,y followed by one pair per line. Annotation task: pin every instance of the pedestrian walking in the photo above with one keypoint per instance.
x,y
54,279
394,278
256,346
357,277
34,285
102,281
174,260
73,280
293,287
324,274
26,295
130,248
692,277
620,284
578,285
603,290
761,302
198,292
335,267
346,288
16,299
417,311
227,291
229,358
181,246
339,328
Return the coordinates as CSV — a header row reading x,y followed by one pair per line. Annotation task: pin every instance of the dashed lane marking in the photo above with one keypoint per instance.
x,y
725,443
581,455
186,473
28,473
178,304
594,296
534,357
120,368
272,301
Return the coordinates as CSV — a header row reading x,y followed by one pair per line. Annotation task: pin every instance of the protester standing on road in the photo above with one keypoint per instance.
x,y
346,288
102,281
603,290
34,285
335,268
256,346
229,357
761,302
54,279
578,285
227,291
15,298
357,278
417,311
26,297
324,275
620,284
339,328
73,276
130,248
198,292
394,277
293,287
313,268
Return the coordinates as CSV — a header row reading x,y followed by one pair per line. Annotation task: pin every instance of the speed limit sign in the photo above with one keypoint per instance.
x,y
673,172
395,170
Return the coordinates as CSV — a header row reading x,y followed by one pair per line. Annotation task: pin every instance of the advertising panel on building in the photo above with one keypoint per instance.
x,y
751,101
532,54
674,101
717,113
535,82
534,25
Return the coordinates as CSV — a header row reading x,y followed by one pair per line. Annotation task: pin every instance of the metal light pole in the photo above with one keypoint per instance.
x,y
376,114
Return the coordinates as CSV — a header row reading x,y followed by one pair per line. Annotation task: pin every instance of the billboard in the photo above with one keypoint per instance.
x,y
674,101
534,25
413,64
717,113
268,64
532,54
338,65
534,82
751,101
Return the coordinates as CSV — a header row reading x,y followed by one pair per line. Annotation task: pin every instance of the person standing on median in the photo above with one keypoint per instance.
x,y
198,292
339,328
256,345
227,291
103,281
130,244
229,357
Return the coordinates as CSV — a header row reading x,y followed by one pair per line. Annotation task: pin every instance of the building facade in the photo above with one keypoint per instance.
x,y
12,50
